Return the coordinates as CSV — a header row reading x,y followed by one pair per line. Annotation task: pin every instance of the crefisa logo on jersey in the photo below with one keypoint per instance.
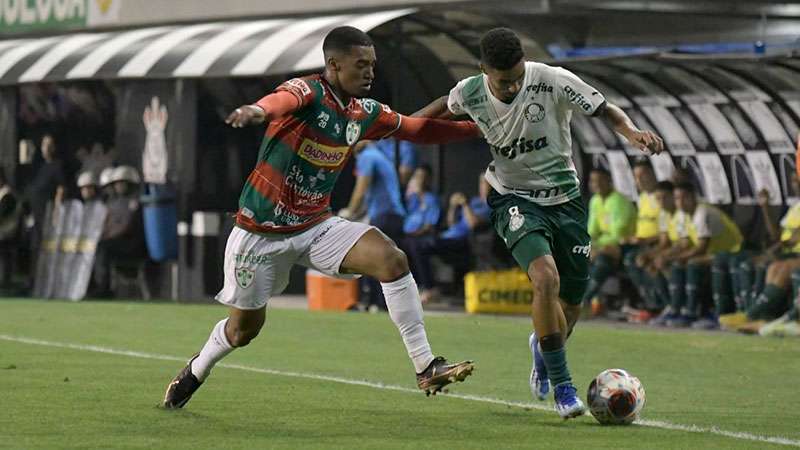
x,y
534,112
519,146
539,87
577,98
353,132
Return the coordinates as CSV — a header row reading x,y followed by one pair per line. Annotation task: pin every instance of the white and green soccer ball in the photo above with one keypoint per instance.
x,y
615,397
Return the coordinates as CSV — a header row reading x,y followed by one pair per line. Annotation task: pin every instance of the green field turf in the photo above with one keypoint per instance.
x,y
58,394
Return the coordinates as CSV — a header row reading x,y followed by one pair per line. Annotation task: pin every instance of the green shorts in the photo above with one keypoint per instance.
x,y
530,231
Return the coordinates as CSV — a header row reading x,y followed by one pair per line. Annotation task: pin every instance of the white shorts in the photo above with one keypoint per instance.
x,y
257,267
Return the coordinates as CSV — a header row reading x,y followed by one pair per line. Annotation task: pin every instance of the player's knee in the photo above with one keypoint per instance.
x,y
394,264
240,337
545,280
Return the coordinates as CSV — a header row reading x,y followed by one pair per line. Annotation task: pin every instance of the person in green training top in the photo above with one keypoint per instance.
x,y
523,109
612,221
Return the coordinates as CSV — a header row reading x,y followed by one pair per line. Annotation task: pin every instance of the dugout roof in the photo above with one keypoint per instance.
x,y
215,49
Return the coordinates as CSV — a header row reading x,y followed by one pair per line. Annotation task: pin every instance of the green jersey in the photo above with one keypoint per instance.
x,y
530,137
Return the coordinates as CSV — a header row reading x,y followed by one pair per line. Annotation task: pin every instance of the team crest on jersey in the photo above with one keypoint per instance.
x,y
534,112
353,132
517,219
244,277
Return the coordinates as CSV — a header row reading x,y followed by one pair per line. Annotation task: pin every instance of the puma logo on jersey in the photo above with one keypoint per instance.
x,y
577,98
520,146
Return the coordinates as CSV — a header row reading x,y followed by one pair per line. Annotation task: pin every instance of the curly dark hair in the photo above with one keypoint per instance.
x,y
501,48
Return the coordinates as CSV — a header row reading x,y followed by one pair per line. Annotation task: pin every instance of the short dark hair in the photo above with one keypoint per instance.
x,y
501,48
686,186
426,167
665,186
340,39
601,170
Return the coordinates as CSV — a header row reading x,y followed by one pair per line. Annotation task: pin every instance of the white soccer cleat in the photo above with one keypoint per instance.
x,y
540,383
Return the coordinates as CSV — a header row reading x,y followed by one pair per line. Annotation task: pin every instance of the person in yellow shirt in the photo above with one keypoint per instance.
x,y
771,299
612,221
709,231
647,233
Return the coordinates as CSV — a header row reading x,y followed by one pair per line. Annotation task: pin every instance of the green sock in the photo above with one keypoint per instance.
x,y
602,268
556,363
661,290
721,286
795,283
769,304
758,286
677,289
746,274
636,274
695,275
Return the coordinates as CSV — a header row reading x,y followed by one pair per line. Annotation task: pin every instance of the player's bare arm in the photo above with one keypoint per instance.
x,y
436,109
644,140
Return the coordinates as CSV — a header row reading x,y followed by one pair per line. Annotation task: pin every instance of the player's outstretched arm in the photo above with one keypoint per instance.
x,y
435,131
646,141
436,109
269,108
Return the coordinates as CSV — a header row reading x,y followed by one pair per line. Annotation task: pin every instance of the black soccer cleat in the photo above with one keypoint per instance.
x,y
439,374
181,388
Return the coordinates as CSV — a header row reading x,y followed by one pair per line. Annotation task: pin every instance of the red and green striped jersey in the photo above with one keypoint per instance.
x,y
302,155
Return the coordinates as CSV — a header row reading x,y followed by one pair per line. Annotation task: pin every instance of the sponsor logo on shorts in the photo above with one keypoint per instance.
x,y
323,155
584,250
322,234
244,277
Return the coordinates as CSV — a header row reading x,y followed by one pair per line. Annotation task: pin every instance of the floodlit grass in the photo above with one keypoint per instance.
x,y
52,397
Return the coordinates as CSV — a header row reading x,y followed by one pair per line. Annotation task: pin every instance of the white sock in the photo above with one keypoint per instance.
x,y
405,309
216,348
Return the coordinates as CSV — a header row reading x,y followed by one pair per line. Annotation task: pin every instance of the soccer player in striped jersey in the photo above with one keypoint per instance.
x,y
285,218
524,109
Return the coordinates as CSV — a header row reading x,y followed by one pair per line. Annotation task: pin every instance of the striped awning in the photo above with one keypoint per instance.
x,y
218,49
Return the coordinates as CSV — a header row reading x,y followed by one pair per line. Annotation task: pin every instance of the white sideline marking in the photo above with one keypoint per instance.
x,y
476,398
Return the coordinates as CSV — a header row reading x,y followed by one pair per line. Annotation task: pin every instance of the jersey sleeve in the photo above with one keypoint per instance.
x,y
301,89
386,122
576,94
455,101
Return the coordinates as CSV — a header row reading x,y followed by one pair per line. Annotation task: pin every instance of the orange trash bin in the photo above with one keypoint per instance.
x,y
326,292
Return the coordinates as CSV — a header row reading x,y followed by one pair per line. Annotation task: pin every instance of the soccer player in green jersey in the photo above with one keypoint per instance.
x,y
285,218
523,109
